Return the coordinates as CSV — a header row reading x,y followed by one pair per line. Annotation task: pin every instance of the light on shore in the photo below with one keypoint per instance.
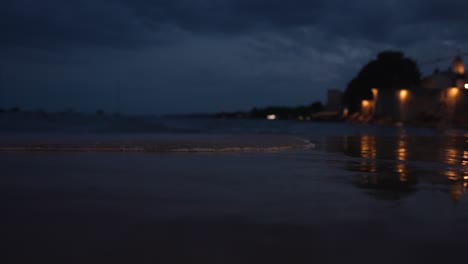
x,y
375,93
453,92
466,86
271,117
365,103
346,112
403,94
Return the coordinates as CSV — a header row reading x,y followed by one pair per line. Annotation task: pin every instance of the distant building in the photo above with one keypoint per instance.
x,y
457,66
438,80
442,96
452,77
452,94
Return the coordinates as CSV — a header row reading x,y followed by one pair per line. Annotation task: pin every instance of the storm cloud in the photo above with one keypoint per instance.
x,y
207,55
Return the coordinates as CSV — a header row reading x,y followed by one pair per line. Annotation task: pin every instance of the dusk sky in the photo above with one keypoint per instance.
x,y
182,56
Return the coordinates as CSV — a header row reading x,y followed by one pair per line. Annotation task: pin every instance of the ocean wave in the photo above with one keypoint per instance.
x,y
157,144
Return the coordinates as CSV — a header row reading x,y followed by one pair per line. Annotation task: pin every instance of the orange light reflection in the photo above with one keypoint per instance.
x,y
402,155
368,147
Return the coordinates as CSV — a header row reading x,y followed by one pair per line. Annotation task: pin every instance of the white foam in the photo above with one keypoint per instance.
x,y
173,144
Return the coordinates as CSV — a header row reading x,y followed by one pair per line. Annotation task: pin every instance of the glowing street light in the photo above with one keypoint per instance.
x,y
366,107
346,112
403,94
365,103
466,86
375,93
451,102
453,92
271,117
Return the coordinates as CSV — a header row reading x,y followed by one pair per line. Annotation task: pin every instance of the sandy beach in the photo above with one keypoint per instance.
x,y
365,198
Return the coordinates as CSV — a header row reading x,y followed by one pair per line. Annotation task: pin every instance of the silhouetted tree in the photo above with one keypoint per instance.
x,y
390,71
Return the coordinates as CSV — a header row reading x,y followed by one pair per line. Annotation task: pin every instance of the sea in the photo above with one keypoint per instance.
x,y
146,189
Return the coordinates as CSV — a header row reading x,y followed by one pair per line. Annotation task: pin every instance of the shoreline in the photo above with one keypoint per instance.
x,y
153,143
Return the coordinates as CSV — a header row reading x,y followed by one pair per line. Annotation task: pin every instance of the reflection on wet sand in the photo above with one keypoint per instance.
x,y
393,167
368,147
457,159
401,155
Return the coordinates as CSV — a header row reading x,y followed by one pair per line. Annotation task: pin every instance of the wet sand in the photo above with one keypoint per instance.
x,y
358,199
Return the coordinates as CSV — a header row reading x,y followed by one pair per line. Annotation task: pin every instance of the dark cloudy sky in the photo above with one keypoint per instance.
x,y
174,56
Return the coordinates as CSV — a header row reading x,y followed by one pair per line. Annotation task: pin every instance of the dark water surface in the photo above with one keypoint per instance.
x,y
371,195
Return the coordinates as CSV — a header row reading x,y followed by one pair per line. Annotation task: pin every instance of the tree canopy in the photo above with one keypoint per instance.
x,y
390,71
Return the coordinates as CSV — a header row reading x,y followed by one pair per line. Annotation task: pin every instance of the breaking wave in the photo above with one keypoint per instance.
x,y
154,143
